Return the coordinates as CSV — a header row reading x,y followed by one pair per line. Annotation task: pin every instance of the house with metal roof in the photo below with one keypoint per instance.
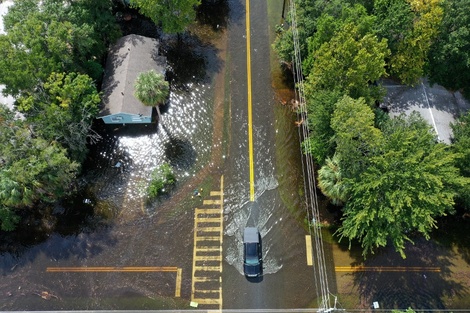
x,y
130,56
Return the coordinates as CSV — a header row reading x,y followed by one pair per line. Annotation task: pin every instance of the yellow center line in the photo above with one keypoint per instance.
x,y
250,113
112,269
387,269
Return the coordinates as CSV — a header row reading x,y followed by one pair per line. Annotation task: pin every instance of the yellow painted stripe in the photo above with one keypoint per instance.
x,y
250,113
208,220
207,211
112,269
207,301
209,258
205,279
308,245
204,252
207,202
387,269
178,283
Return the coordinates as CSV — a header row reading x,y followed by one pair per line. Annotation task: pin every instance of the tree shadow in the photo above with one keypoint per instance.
x,y
213,13
422,280
180,153
132,22
403,98
454,232
190,61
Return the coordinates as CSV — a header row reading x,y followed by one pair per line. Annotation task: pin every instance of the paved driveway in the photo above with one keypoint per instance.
x,y
436,104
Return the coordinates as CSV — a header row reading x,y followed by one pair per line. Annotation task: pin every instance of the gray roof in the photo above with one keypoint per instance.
x,y
130,56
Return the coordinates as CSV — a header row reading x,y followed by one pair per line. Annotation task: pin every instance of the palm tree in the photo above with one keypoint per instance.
x,y
331,182
151,89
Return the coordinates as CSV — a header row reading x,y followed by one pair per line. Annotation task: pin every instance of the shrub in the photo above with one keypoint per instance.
x,y
161,179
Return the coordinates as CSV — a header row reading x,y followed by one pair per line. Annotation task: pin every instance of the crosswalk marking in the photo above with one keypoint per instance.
x,y
206,290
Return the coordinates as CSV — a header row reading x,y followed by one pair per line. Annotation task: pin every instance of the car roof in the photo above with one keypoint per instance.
x,y
251,234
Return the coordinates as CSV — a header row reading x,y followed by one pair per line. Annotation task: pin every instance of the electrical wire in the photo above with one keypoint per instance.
x,y
323,293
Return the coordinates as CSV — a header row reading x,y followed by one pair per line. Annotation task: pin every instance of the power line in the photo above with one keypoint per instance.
x,y
308,166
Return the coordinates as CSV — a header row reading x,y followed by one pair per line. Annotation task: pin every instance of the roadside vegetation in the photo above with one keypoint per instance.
x,y
51,61
390,177
162,178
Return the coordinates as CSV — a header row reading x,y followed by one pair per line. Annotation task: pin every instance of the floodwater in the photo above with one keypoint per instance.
x,y
120,228
109,222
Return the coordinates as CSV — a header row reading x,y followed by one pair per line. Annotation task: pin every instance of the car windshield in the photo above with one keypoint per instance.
x,y
251,254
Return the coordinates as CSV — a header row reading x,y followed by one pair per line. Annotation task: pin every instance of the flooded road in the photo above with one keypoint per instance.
x,y
118,251
282,230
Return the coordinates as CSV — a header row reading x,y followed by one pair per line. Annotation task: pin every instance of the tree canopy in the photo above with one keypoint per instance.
x,y
398,180
424,37
349,62
333,22
461,145
63,111
31,169
173,15
320,106
151,88
49,36
449,56
50,59
409,62
355,135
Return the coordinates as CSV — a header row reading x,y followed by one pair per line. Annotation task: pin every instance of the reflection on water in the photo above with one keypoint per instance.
x,y
121,166
108,221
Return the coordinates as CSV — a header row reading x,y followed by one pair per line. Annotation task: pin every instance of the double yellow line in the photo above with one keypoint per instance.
x,y
250,112
387,269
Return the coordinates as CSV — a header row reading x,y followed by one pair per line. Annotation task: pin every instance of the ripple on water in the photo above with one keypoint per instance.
x,y
131,153
241,212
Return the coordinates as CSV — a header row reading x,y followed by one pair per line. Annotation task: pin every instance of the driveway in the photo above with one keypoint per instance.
x,y
437,105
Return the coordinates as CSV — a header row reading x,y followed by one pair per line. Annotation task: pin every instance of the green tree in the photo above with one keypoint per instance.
x,y
320,107
409,62
394,19
449,55
328,25
355,135
173,15
31,169
307,13
53,36
151,89
63,111
349,62
331,182
409,182
162,177
461,145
